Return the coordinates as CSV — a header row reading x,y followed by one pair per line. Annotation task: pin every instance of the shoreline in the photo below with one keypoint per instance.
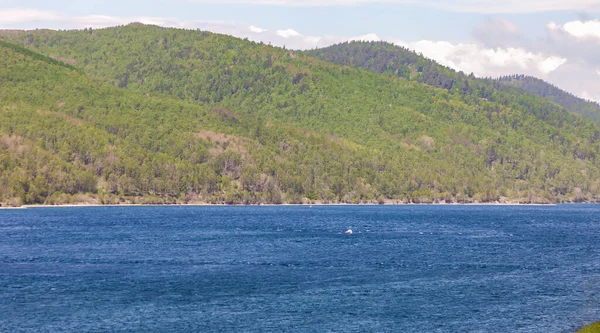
x,y
83,205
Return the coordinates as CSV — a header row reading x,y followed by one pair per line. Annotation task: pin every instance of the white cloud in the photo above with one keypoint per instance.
x,y
579,29
17,15
288,33
591,97
366,38
552,27
10,16
550,64
97,21
476,58
256,29
481,6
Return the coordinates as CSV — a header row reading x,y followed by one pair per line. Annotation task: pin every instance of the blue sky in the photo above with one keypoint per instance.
x,y
402,19
556,40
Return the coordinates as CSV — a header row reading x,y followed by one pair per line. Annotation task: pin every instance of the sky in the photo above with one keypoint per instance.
x,y
555,40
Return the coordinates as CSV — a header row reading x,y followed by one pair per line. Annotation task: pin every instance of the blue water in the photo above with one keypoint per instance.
x,y
276,269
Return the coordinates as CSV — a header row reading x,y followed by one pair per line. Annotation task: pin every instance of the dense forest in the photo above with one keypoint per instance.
x,y
144,114
513,91
544,89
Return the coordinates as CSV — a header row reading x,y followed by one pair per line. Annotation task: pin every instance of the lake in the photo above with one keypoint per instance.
x,y
275,269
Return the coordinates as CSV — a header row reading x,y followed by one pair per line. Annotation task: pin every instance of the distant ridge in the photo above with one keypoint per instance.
x,y
550,92
384,57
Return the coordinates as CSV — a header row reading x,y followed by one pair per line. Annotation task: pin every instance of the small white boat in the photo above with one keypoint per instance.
x,y
348,232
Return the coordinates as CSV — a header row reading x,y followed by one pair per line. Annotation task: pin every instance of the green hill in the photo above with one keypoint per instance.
x,y
514,91
148,114
548,91
68,138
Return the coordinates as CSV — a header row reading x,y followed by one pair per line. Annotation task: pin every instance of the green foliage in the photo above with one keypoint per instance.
x,y
515,91
35,55
538,87
172,116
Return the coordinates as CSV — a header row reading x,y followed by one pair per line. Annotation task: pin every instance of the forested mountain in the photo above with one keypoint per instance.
x,y
382,57
149,114
544,89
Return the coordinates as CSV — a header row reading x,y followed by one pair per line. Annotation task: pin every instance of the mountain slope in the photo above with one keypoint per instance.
x,y
65,138
188,115
544,89
382,57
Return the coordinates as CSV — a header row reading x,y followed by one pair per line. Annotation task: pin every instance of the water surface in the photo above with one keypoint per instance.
x,y
261,269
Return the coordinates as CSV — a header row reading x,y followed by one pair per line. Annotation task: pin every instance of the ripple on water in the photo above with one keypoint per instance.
x,y
257,269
